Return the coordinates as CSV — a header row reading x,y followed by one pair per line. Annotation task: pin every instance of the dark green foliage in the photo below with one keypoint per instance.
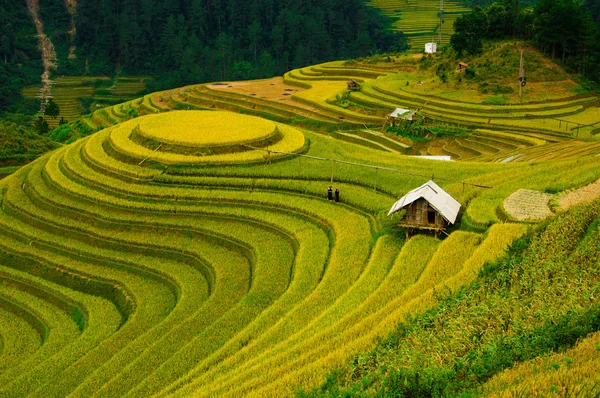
x,y
536,300
194,40
564,29
51,109
470,30
20,60
41,126
19,144
594,7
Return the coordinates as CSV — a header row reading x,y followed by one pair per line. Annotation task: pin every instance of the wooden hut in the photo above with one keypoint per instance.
x,y
400,115
353,85
427,207
462,66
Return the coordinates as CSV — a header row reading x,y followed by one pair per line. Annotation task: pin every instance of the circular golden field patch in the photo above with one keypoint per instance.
x,y
205,128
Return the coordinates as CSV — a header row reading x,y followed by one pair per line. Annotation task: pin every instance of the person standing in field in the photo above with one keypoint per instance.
x,y
330,193
337,195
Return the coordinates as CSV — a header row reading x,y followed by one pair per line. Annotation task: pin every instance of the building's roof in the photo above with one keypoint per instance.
x,y
463,64
439,199
398,112
432,157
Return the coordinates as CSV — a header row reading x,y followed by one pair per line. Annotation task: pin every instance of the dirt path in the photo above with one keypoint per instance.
x,y
72,7
46,47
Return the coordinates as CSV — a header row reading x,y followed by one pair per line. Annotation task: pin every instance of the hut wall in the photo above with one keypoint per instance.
x,y
420,214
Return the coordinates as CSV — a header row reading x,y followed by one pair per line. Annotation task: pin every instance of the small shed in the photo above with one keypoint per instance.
x,y
399,115
427,207
353,85
462,66
431,48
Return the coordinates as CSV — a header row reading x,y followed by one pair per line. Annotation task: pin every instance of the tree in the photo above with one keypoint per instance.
x,y
470,29
51,109
42,126
254,32
555,24
499,21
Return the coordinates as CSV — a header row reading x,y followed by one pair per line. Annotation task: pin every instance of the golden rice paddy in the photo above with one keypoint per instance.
x,y
205,128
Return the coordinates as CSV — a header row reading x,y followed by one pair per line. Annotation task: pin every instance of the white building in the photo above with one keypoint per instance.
x,y
431,48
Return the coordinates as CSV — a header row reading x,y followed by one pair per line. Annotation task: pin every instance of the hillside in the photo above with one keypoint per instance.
x,y
419,20
181,249
476,116
539,299
20,145
181,243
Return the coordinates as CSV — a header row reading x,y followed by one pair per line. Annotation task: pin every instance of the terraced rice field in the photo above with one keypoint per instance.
x,y
192,252
68,91
308,98
419,19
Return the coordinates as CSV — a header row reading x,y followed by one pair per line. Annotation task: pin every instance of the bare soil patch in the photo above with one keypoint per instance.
x,y
269,89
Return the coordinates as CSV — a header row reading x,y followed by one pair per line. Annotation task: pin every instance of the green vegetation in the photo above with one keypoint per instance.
x,y
563,29
231,279
20,145
171,248
21,62
522,306
419,19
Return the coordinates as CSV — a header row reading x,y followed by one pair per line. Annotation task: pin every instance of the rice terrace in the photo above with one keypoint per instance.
x,y
182,242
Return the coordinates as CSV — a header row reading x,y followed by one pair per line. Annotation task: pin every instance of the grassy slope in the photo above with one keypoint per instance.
x,y
321,275
539,299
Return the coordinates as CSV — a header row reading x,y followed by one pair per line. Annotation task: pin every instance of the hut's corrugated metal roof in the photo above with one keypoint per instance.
x,y
439,199
399,112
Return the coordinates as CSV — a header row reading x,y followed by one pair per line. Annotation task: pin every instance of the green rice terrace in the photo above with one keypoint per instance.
x,y
187,247
419,19
76,96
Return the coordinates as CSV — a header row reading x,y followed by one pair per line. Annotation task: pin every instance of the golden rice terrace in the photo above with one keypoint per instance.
x,y
194,252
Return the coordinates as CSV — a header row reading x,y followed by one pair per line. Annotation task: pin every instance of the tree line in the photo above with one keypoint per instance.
x,y
189,41
568,30
182,42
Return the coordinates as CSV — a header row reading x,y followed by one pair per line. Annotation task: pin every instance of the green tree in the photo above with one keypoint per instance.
x,y
51,109
255,32
499,21
470,29
41,126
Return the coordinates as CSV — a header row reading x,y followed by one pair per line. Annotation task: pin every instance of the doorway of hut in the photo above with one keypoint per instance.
x,y
431,216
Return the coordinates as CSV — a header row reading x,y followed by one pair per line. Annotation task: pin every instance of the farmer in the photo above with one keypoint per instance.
x,y
337,195
330,193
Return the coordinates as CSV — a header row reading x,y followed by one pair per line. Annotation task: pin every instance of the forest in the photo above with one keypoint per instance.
x,y
187,41
567,30
192,41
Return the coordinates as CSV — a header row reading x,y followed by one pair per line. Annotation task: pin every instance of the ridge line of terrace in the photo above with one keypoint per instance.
x,y
369,166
